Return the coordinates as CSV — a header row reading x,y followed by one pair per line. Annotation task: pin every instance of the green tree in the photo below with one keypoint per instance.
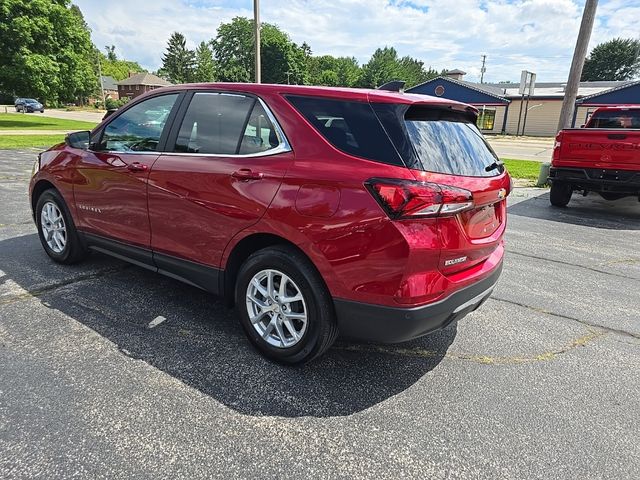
x,y
333,71
281,59
412,71
385,66
617,59
233,50
111,53
178,62
205,66
118,69
46,51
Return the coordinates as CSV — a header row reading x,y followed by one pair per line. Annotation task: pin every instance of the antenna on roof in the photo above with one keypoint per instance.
x,y
393,86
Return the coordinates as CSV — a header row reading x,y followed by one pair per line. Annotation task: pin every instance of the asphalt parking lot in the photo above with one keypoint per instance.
x,y
542,382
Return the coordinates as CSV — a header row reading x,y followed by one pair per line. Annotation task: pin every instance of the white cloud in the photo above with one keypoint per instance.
x,y
537,35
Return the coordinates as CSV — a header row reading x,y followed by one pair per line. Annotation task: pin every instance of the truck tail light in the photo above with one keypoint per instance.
x,y
410,199
556,146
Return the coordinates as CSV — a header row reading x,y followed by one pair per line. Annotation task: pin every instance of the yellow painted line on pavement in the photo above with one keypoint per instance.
x,y
545,356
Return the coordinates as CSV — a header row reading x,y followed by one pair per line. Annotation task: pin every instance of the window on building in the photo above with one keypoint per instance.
x,y
137,87
486,118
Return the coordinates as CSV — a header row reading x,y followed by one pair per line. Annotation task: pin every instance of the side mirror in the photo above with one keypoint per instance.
x,y
79,140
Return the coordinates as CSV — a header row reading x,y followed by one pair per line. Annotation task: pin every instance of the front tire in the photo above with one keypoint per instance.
x,y
560,194
56,229
284,306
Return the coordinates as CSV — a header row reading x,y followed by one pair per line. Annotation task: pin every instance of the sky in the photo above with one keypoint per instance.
x,y
536,35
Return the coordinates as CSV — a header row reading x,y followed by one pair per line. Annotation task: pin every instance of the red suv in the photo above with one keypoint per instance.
x,y
316,211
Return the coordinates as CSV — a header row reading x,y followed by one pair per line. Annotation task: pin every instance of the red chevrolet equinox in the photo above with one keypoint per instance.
x,y
316,211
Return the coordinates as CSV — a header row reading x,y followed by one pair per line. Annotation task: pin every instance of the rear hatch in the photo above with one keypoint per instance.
x,y
445,151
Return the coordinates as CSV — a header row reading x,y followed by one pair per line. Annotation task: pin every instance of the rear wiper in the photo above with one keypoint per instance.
x,y
493,166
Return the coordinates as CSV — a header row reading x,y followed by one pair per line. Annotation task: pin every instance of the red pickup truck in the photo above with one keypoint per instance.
x,y
603,156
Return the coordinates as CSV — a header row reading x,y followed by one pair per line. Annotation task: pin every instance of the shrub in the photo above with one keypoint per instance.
x,y
112,103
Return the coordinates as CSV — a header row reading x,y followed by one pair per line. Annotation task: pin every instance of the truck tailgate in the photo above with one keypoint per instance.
x,y
610,149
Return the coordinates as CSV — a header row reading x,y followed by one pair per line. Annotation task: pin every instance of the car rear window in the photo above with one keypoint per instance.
x,y
616,119
438,139
351,127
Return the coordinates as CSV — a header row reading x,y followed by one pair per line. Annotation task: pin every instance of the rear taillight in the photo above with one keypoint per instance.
x,y
556,146
411,199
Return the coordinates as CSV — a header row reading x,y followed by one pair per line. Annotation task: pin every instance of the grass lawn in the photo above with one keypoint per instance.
x,y
27,141
526,169
36,121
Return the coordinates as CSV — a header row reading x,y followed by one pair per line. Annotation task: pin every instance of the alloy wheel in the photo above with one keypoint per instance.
x,y
53,227
276,308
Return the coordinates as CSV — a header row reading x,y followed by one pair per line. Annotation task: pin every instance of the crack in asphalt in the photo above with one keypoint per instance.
x,y
545,356
597,270
624,333
37,292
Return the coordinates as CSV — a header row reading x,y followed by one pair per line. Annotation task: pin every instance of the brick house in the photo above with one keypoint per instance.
x,y
139,83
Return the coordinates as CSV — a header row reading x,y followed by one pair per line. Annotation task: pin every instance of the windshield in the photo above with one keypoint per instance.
x,y
616,119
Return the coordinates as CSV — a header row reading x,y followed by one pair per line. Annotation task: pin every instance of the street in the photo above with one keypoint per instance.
x,y
110,371
83,115
519,148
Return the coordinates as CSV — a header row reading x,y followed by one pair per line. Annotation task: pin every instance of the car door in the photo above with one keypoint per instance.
x,y
110,190
228,161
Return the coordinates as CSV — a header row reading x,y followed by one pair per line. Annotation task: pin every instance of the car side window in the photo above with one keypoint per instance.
x,y
139,128
260,134
225,124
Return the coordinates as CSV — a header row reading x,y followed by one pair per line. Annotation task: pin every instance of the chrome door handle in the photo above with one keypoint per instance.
x,y
247,174
137,167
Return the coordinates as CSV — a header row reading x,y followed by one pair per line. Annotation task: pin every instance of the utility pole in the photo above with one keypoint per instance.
x,y
256,26
483,69
104,100
579,54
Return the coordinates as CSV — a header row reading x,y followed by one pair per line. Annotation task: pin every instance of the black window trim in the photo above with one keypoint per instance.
x,y
96,135
283,143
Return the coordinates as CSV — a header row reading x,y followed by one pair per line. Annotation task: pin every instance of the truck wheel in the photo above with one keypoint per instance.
x,y
284,306
612,196
560,194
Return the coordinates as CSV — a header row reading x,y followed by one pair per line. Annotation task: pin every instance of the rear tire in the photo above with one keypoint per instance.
x,y
560,194
272,319
56,229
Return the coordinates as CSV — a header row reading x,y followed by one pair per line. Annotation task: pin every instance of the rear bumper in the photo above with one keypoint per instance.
x,y
597,179
379,323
